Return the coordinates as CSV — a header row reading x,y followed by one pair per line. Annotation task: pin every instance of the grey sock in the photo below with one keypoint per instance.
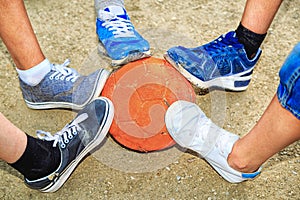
x,y
101,4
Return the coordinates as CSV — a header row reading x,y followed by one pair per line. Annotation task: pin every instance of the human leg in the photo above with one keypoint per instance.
x,y
117,34
236,159
12,141
43,84
228,61
271,134
25,153
46,163
259,14
256,20
18,36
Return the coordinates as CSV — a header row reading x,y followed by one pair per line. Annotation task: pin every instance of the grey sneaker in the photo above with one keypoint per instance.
x,y
75,141
64,87
191,129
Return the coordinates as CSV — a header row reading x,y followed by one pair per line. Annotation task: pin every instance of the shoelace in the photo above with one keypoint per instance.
x,y
63,72
64,136
209,134
222,142
219,45
120,27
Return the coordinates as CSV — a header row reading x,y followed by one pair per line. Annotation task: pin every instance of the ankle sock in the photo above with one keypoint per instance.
x,y
39,159
250,40
101,4
34,75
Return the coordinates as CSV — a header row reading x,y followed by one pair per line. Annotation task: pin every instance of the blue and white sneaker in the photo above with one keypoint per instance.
x,y
118,36
222,63
75,141
64,87
191,129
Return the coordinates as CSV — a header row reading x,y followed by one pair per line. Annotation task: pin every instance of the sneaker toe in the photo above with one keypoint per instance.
x,y
182,120
89,87
119,49
177,54
189,61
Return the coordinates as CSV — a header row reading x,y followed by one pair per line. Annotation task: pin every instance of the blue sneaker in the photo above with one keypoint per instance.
x,y
116,33
64,87
191,129
81,136
222,63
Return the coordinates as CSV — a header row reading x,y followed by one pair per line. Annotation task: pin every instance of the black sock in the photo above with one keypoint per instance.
x,y
250,40
39,159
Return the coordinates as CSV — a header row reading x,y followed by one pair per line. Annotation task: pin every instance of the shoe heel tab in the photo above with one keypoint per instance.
x,y
257,55
251,175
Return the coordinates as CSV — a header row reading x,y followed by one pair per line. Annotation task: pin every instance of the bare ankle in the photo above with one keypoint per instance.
x,y
237,161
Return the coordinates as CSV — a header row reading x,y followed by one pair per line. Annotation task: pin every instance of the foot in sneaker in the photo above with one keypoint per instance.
x,y
222,63
64,87
118,36
75,141
191,129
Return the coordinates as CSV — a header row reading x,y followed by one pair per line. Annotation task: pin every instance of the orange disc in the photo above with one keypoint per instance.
x,y
141,92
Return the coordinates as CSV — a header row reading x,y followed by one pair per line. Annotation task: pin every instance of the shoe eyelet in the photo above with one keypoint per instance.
x,y
67,141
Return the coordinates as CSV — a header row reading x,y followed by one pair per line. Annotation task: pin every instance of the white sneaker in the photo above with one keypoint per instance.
x,y
191,129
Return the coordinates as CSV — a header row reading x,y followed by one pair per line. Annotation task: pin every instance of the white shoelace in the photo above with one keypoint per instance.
x,y
63,72
120,27
64,136
223,141
214,136
207,134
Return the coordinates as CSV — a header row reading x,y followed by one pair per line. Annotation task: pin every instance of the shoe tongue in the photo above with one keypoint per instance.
x,y
117,10
231,34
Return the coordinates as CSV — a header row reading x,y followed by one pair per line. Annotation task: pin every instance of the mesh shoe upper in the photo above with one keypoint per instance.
x,y
118,36
223,57
63,87
75,140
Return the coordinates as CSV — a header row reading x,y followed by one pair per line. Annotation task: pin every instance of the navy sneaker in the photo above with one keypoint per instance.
x,y
191,129
75,141
118,36
222,63
64,87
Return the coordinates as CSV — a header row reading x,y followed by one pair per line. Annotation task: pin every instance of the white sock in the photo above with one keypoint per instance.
x,y
34,75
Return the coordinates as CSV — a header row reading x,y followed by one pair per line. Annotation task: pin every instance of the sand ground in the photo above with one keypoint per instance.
x,y
66,29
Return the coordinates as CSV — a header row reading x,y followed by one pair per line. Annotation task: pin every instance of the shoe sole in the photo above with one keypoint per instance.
x,y
225,82
103,130
133,56
130,58
103,76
